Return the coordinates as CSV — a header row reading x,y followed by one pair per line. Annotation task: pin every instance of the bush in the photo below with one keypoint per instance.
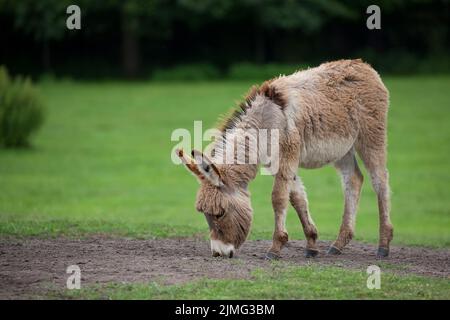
x,y
21,110
187,72
250,71
406,62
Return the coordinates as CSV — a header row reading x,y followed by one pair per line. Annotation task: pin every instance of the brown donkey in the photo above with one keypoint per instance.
x,y
323,115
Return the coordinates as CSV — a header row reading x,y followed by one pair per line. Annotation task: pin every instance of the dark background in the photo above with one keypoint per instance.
x,y
138,39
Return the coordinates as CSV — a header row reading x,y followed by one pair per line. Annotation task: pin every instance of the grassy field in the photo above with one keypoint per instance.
x,y
101,165
292,283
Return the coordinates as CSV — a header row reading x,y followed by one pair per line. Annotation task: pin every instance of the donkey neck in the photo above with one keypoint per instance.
x,y
241,147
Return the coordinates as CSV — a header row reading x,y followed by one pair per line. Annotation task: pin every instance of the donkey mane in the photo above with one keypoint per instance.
x,y
266,89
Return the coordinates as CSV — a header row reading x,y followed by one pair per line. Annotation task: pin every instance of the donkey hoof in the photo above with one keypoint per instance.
x,y
382,252
311,253
272,256
334,251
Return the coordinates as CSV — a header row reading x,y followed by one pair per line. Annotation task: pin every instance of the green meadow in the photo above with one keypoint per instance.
x,y
310,282
101,164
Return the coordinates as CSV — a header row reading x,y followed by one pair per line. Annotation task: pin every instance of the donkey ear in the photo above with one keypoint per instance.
x,y
190,164
207,168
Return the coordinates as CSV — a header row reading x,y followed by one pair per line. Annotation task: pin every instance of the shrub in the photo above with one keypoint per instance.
x,y
406,62
21,110
250,71
187,72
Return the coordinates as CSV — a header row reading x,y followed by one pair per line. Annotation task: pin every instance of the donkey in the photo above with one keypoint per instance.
x,y
324,115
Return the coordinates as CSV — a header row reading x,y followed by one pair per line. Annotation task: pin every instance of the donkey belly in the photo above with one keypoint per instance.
x,y
317,152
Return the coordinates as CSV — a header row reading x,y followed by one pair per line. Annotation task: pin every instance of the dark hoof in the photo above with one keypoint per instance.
x,y
311,253
382,252
333,250
272,256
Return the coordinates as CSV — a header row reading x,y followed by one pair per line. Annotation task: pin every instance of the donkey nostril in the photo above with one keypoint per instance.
x,y
231,253
215,254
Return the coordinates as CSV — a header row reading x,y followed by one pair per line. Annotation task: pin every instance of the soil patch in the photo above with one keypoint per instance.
x,y
28,268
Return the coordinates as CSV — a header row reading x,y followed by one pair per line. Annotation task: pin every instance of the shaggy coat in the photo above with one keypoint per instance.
x,y
324,115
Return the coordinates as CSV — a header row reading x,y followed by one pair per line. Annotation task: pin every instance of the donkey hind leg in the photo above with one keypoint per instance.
x,y
299,201
280,201
352,181
375,162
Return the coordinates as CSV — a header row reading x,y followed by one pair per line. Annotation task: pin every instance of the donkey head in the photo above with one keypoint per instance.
x,y
225,203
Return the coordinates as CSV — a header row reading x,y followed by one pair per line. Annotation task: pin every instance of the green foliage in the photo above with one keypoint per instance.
x,y
44,19
394,62
406,62
223,32
187,72
310,15
238,71
251,71
21,110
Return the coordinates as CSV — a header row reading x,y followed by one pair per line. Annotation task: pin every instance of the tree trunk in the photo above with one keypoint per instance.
x,y
130,46
46,57
260,46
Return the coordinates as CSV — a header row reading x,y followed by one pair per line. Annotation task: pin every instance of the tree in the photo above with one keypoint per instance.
x,y
45,20
266,16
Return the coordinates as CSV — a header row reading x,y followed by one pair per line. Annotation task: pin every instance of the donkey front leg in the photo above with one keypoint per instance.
x,y
280,201
352,181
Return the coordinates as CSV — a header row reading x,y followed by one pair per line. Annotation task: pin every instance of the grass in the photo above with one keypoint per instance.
x,y
101,164
311,282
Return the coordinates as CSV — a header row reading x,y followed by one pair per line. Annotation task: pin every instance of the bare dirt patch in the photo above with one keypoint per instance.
x,y
28,268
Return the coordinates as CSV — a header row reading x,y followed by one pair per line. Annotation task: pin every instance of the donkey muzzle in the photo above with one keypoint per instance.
x,y
220,249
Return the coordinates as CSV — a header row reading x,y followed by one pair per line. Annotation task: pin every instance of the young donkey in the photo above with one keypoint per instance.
x,y
323,115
